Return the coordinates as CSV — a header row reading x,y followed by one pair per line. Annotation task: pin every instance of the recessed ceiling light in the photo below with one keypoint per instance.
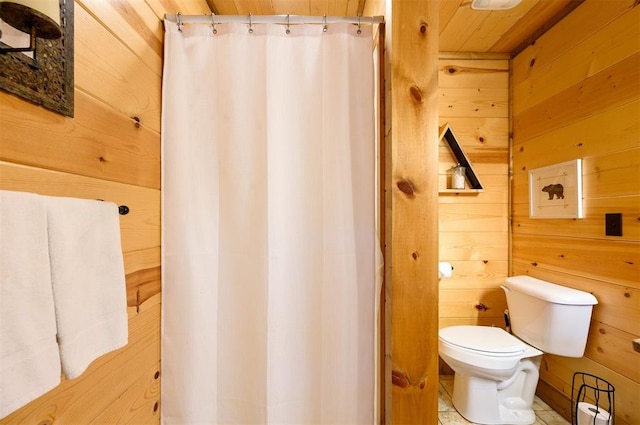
x,y
494,4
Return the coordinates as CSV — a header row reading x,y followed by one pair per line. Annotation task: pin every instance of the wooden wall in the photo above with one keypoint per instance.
x,y
474,227
110,150
576,94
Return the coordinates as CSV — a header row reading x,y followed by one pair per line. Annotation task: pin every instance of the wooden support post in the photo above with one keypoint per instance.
x,y
414,212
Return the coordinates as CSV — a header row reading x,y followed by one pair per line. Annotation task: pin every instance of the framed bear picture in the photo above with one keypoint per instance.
x,y
555,191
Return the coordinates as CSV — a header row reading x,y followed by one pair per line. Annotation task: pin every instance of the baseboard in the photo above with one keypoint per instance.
x,y
555,398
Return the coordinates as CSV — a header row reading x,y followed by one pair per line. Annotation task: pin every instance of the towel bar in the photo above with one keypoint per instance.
x,y
122,209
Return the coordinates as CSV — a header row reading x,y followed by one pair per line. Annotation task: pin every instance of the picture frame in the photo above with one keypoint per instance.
x,y
555,191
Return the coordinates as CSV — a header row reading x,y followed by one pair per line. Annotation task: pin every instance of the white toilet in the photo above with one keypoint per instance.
x,y
496,373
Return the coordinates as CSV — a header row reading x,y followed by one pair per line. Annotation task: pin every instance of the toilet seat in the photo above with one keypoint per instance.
x,y
491,351
483,340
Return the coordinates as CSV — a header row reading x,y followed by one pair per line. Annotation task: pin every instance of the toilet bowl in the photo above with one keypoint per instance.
x,y
496,373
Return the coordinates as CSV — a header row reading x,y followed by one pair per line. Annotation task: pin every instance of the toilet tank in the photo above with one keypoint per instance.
x,y
552,318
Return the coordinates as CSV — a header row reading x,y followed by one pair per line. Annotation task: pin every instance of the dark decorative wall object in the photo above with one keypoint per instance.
x,y
447,134
47,80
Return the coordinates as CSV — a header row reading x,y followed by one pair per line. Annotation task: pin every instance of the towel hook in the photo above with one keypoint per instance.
x,y
324,27
359,25
213,24
179,21
250,25
288,31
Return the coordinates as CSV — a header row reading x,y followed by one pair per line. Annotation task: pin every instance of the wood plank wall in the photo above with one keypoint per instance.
x,y
576,94
110,150
474,227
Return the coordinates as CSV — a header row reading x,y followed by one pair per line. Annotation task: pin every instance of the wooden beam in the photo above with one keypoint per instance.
x,y
414,212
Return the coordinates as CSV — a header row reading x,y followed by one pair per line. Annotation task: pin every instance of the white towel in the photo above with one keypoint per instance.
x,y
29,359
87,274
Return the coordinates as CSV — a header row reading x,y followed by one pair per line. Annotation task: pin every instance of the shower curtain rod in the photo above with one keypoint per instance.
x,y
272,19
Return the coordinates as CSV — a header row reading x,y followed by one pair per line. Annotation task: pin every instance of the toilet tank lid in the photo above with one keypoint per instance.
x,y
487,339
548,291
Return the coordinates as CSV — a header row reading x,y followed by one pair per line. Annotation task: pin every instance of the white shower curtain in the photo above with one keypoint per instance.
x,y
268,225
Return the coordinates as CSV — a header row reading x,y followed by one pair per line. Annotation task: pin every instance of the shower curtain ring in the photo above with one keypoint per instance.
x,y
288,31
250,25
179,21
324,20
213,23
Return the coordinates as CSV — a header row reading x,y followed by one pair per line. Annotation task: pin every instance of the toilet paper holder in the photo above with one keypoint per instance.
x,y
595,392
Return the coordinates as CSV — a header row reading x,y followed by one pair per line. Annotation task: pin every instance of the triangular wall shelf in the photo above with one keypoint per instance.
x,y
472,178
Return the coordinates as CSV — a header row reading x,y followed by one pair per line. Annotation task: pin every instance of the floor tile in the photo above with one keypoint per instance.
x,y
452,418
549,417
444,402
540,405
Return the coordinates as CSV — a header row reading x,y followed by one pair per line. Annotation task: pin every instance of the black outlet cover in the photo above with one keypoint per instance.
x,y
613,224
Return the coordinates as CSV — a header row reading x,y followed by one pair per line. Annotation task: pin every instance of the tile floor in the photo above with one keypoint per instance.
x,y
447,414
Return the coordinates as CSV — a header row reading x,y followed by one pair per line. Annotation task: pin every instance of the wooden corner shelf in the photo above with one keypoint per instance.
x,y
460,191
474,183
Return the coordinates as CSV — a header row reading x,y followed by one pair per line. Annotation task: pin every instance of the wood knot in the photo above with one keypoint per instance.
x,y
414,255
156,375
532,62
521,149
399,379
155,407
627,295
485,261
402,380
602,331
534,264
406,187
416,93
481,307
423,28
102,159
481,139
137,121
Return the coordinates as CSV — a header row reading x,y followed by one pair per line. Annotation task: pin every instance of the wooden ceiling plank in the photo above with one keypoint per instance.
x,y
497,24
290,7
448,9
461,28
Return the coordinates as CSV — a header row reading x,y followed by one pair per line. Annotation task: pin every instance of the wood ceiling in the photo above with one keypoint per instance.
x,y
462,29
